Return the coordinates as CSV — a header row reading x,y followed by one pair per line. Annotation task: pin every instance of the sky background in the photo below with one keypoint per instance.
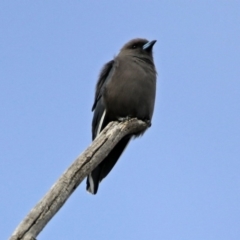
x,y
181,180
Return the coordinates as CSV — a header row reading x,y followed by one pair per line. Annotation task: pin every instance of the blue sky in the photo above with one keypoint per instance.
x,y
181,179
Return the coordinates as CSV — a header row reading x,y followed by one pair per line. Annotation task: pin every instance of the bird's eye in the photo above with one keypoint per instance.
x,y
134,46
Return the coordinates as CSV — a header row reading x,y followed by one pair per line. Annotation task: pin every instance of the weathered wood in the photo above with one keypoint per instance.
x,y
48,206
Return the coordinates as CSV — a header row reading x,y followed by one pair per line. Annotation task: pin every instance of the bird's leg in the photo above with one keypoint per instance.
x,y
124,119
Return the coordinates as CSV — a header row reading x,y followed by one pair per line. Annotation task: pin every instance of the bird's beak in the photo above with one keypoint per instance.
x,y
148,46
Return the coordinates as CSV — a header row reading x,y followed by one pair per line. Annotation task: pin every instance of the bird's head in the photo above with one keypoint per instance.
x,y
139,47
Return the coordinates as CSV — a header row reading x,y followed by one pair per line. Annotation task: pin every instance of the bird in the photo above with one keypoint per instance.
x,y
125,89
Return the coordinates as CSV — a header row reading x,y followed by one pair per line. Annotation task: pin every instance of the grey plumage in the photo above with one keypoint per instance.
x,y
126,88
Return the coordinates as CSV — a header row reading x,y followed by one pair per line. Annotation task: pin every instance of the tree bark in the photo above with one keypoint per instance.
x,y
48,206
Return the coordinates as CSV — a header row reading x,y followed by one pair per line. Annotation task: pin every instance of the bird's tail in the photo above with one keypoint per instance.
x,y
102,170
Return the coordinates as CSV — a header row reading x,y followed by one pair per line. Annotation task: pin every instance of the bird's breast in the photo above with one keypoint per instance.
x,y
131,91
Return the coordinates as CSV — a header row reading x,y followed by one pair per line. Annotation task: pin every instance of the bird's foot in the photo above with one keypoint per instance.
x,y
124,119
148,122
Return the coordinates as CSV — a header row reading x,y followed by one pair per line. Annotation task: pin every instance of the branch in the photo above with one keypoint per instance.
x,y
48,206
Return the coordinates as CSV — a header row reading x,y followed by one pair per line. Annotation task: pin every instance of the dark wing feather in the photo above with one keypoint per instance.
x,y
101,80
99,108
102,170
98,105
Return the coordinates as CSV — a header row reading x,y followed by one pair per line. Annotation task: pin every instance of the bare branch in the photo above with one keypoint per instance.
x,y
48,206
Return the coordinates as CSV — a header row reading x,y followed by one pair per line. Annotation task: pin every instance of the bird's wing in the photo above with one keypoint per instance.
x,y
101,80
98,122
